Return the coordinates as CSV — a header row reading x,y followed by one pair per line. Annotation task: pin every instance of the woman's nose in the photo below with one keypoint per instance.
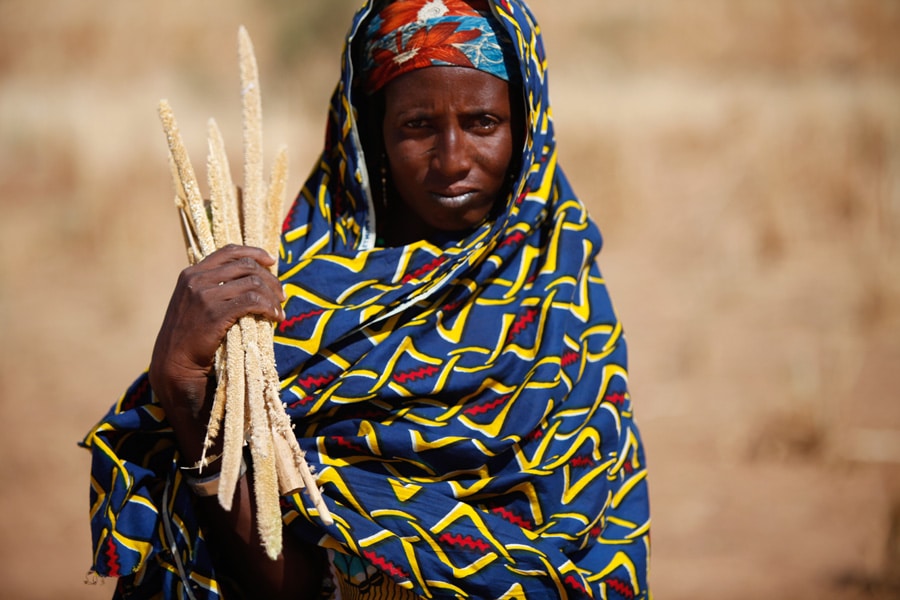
x,y
452,158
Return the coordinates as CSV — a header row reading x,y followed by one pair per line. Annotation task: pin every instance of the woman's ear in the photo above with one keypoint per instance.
x,y
370,120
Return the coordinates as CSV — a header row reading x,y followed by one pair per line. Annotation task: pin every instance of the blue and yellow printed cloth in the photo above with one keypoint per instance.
x,y
466,406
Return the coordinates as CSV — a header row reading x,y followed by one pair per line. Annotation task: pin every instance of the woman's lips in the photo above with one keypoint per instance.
x,y
453,198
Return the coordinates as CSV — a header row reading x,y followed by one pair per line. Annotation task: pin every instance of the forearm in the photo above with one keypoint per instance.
x,y
187,411
297,573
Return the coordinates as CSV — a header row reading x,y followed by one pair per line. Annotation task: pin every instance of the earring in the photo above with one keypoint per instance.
x,y
511,181
384,196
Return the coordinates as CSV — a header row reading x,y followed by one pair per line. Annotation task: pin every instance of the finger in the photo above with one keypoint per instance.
x,y
240,269
252,294
234,252
234,262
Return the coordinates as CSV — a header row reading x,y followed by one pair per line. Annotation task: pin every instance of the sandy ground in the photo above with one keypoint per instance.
x,y
742,158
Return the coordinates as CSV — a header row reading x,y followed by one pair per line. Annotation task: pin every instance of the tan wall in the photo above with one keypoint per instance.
x,y
741,156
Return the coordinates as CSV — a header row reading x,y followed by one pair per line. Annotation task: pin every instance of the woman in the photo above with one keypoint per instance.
x,y
448,352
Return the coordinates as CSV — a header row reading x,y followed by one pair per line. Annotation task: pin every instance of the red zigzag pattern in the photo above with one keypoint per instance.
x,y
310,384
573,582
416,374
522,323
112,557
385,565
620,587
480,409
465,542
288,323
512,517
616,398
570,358
421,272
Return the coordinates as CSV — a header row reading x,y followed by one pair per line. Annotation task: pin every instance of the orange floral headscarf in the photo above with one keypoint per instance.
x,y
412,34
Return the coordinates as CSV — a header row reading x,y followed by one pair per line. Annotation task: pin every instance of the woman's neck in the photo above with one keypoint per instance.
x,y
399,226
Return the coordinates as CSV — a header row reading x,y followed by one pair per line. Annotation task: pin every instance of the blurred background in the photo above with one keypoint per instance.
x,y
742,158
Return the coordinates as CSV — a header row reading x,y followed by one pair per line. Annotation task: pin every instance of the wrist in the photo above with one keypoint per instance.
x,y
183,396
202,481
189,428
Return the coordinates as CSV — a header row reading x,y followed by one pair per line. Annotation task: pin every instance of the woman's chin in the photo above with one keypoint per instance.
x,y
457,214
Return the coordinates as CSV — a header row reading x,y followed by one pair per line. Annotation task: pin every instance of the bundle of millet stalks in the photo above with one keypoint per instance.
x,y
247,398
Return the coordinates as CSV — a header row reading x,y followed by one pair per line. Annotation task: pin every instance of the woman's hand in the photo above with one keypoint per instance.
x,y
209,298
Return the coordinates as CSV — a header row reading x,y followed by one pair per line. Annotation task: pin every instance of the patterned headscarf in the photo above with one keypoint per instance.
x,y
466,406
411,34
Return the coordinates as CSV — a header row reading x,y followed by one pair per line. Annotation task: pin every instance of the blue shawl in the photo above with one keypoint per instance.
x,y
465,405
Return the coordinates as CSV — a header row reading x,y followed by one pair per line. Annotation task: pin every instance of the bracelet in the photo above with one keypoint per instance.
x,y
209,485
198,467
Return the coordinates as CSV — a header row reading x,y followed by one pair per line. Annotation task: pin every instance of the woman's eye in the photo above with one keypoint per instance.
x,y
485,123
417,124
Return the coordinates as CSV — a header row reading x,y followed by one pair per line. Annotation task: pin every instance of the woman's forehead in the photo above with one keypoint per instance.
x,y
446,86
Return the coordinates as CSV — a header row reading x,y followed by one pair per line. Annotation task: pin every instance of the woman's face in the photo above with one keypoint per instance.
x,y
449,141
